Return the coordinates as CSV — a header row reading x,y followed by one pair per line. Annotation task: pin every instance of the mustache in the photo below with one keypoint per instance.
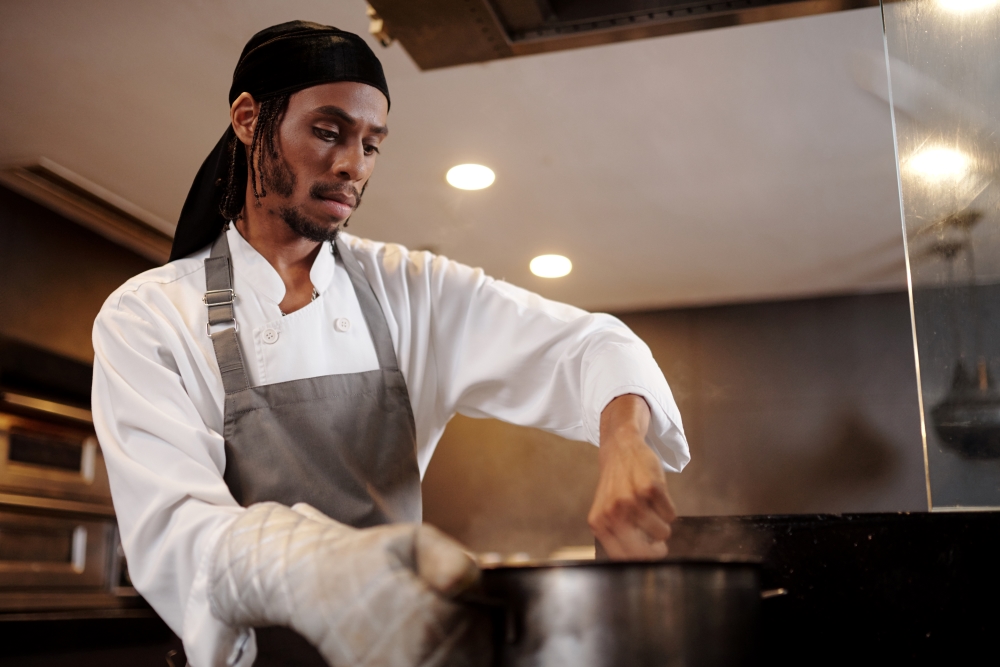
x,y
330,190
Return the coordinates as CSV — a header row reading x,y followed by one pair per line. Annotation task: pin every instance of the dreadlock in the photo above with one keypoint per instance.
x,y
262,146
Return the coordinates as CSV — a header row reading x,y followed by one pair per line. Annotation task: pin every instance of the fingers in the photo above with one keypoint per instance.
x,y
632,509
630,543
634,522
661,503
653,525
636,532
638,545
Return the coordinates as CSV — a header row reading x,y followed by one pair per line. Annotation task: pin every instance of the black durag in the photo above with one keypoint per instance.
x,y
281,59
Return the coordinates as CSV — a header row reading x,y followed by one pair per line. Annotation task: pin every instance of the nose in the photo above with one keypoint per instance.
x,y
349,163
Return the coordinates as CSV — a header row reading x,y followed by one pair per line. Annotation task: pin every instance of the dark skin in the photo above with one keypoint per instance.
x,y
329,139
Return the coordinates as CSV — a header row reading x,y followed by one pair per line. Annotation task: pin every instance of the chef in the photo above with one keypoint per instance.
x,y
268,401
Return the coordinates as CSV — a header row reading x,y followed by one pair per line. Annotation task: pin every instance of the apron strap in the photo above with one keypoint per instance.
x,y
370,308
219,297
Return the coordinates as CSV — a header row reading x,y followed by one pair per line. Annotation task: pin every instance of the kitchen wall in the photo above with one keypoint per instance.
x,y
54,276
797,406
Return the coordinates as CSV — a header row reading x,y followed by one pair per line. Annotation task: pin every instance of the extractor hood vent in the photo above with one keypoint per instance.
x,y
96,208
442,33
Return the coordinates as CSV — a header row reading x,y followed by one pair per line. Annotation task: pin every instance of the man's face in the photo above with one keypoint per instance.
x,y
326,147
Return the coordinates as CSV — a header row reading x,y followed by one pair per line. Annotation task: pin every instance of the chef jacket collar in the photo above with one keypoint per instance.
x,y
251,266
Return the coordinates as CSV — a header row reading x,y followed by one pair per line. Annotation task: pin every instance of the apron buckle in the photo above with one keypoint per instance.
x,y
208,327
211,297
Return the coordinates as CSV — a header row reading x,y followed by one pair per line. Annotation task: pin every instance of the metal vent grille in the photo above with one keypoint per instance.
x,y
444,33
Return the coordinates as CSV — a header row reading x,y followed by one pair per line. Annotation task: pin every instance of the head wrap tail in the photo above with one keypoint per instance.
x,y
201,218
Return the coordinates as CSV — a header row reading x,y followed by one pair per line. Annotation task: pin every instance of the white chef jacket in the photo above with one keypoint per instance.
x,y
464,342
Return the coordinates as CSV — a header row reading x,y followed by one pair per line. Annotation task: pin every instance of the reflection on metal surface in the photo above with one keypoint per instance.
x,y
48,406
88,459
943,61
56,505
78,558
376,27
637,614
51,465
48,553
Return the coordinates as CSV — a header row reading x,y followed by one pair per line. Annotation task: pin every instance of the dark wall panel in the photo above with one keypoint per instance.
x,y
796,406
54,276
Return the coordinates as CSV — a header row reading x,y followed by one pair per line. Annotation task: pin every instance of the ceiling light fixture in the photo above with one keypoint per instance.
x,y
470,177
963,6
551,266
939,164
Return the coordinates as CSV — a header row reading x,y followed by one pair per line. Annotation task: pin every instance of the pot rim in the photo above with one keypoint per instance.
x,y
729,560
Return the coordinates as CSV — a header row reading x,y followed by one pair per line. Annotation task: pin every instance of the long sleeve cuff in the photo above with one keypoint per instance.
x,y
208,642
616,369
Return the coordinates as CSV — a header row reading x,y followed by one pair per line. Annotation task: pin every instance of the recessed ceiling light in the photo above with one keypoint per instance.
x,y
551,266
962,6
938,164
470,177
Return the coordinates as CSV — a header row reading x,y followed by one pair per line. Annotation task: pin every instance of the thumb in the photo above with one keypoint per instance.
x,y
442,562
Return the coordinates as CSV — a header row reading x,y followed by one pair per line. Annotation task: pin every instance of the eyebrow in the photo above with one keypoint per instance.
x,y
337,112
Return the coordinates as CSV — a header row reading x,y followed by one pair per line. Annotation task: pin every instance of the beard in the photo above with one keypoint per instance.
x,y
306,228
279,177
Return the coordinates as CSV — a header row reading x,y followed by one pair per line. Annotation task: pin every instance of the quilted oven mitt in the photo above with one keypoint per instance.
x,y
363,597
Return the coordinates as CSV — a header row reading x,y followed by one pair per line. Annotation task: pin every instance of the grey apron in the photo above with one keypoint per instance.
x,y
345,444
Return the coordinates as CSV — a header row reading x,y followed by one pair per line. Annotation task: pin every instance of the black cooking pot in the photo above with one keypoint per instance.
x,y
623,614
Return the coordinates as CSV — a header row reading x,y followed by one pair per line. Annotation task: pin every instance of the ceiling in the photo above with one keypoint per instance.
x,y
726,165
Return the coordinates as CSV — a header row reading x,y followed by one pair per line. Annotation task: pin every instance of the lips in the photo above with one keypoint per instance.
x,y
340,206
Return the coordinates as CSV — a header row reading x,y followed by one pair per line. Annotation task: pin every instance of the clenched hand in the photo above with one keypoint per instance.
x,y
632,510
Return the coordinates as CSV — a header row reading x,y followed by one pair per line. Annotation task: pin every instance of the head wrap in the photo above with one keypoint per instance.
x,y
281,59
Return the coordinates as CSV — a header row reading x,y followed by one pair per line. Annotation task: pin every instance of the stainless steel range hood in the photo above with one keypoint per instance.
x,y
442,33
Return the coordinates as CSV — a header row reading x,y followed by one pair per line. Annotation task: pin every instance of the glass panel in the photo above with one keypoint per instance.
x,y
943,59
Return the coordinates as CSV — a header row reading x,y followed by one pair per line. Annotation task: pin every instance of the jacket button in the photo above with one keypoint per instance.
x,y
269,336
342,324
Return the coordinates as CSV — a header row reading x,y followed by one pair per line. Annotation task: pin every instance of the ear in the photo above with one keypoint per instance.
x,y
243,115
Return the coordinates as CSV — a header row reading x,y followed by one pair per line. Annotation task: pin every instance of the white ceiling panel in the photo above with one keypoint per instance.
x,y
727,165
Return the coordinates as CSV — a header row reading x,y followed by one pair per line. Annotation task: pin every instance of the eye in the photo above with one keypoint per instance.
x,y
371,150
325,135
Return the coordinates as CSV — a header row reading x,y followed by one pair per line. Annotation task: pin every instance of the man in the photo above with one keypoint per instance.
x,y
268,401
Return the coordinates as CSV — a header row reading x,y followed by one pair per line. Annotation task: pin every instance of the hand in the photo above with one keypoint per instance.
x,y
632,510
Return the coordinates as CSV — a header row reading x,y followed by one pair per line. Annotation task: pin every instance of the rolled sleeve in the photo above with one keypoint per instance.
x,y
616,369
